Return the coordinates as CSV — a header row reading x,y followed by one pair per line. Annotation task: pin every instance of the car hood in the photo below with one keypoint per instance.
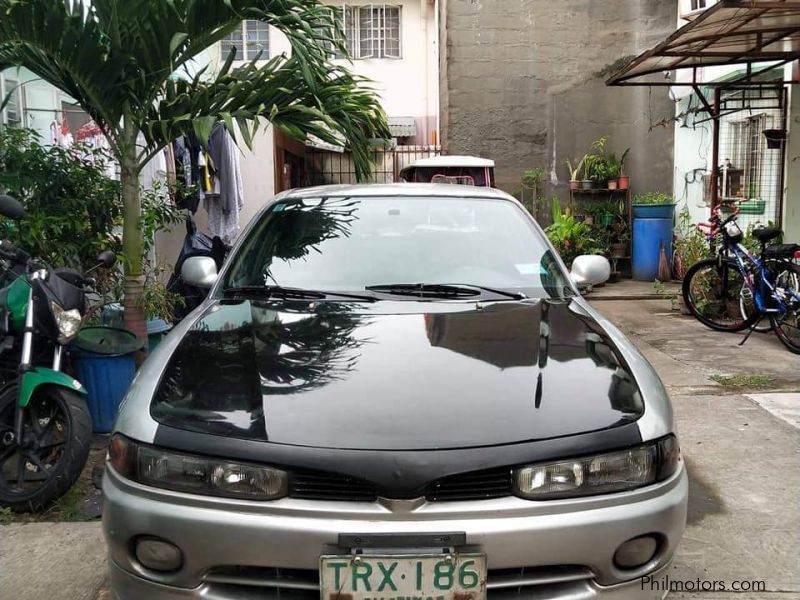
x,y
368,377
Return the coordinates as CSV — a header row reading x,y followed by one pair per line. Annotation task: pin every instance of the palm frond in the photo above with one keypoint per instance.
x,y
341,106
116,57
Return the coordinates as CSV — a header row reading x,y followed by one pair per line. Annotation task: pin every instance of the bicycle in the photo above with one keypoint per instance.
x,y
713,288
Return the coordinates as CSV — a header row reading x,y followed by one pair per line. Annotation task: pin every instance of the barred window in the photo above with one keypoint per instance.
x,y
371,30
249,39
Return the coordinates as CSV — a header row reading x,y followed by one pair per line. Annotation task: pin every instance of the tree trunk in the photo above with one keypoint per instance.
x,y
132,246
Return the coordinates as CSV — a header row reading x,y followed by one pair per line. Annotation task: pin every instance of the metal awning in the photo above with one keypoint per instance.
x,y
762,34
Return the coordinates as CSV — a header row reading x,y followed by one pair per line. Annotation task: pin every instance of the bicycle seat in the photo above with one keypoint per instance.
x,y
765,234
781,250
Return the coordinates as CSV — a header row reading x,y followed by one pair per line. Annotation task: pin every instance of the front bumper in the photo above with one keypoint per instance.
x,y
219,533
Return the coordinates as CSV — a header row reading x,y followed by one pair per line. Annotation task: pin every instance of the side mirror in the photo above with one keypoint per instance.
x,y
589,270
11,208
107,259
199,271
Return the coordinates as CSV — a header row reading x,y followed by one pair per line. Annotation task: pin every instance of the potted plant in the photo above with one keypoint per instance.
x,y
614,170
569,236
599,173
653,205
775,138
619,249
623,181
586,172
575,173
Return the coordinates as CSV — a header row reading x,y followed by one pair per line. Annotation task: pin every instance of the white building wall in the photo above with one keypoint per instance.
x,y
407,87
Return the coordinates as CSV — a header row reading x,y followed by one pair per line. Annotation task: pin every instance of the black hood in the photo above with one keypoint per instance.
x,y
388,377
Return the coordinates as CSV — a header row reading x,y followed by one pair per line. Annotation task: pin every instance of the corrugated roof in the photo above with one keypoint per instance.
x,y
732,32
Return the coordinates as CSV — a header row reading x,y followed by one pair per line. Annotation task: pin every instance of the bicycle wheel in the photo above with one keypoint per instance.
x,y
712,292
787,325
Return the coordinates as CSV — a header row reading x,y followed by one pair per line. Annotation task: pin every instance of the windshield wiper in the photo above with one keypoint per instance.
x,y
440,290
268,291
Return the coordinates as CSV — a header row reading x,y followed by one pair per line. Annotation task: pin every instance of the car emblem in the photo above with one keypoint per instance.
x,y
401,505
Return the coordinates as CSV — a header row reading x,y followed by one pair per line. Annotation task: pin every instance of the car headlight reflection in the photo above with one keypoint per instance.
x,y
181,472
600,474
67,321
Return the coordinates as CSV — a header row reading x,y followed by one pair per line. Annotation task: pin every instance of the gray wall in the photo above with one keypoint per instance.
x,y
523,83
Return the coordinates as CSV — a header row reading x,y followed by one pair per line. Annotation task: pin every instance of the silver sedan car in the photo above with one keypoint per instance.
x,y
393,393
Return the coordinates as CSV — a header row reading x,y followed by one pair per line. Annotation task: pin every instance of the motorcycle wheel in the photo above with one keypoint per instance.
x,y
57,433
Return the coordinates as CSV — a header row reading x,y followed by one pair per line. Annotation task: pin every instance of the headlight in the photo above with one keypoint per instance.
x,y
67,321
195,474
601,474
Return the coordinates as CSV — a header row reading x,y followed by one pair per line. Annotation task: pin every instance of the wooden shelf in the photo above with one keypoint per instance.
x,y
597,191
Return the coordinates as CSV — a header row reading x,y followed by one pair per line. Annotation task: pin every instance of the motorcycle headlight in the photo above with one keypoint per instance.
x,y
601,474
181,472
67,321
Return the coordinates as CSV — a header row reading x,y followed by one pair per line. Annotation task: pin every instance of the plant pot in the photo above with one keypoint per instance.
x,y
775,138
596,185
614,277
607,219
574,184
589,220
623,182
653,211
619,249
586,184
612,184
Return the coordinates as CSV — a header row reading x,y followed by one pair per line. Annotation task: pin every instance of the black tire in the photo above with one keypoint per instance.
x,y
712,292
55,465
787,325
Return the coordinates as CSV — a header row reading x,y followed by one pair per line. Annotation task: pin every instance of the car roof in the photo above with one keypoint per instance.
x,y
452,161
439,190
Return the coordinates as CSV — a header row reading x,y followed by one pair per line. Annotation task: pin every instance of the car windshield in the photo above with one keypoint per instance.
x,y
353,244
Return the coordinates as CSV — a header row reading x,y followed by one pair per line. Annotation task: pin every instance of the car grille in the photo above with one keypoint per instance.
x,y
330,486
479,485
297,584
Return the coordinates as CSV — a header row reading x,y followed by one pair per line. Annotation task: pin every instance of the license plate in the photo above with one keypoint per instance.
x,y
399,577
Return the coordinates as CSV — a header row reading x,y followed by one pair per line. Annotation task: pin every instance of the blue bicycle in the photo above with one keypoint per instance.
x,y
714,289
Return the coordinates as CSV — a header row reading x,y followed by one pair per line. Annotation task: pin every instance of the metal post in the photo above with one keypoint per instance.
x,y
715,152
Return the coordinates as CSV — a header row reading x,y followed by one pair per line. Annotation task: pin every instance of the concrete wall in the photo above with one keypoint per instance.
x,y
523,83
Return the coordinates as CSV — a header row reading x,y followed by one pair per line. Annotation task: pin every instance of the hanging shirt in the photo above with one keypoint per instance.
x,y
226,198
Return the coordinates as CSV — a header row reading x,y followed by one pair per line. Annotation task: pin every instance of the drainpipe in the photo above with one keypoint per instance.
x,y
423,16
438,46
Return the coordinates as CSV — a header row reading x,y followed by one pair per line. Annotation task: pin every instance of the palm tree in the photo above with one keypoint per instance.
x,y
117,58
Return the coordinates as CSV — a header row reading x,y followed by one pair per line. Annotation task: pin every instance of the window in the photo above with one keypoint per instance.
x,y
371,31
12,114
251,38
347,244
698,4
747,156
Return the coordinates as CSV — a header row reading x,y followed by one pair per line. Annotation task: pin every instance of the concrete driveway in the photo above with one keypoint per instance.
x,y
742,448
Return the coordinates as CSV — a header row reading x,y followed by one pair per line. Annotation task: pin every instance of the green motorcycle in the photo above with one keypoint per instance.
x,y
45,426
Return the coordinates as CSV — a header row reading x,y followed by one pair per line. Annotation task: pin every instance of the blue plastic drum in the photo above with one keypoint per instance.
x,y
648,237
105,364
